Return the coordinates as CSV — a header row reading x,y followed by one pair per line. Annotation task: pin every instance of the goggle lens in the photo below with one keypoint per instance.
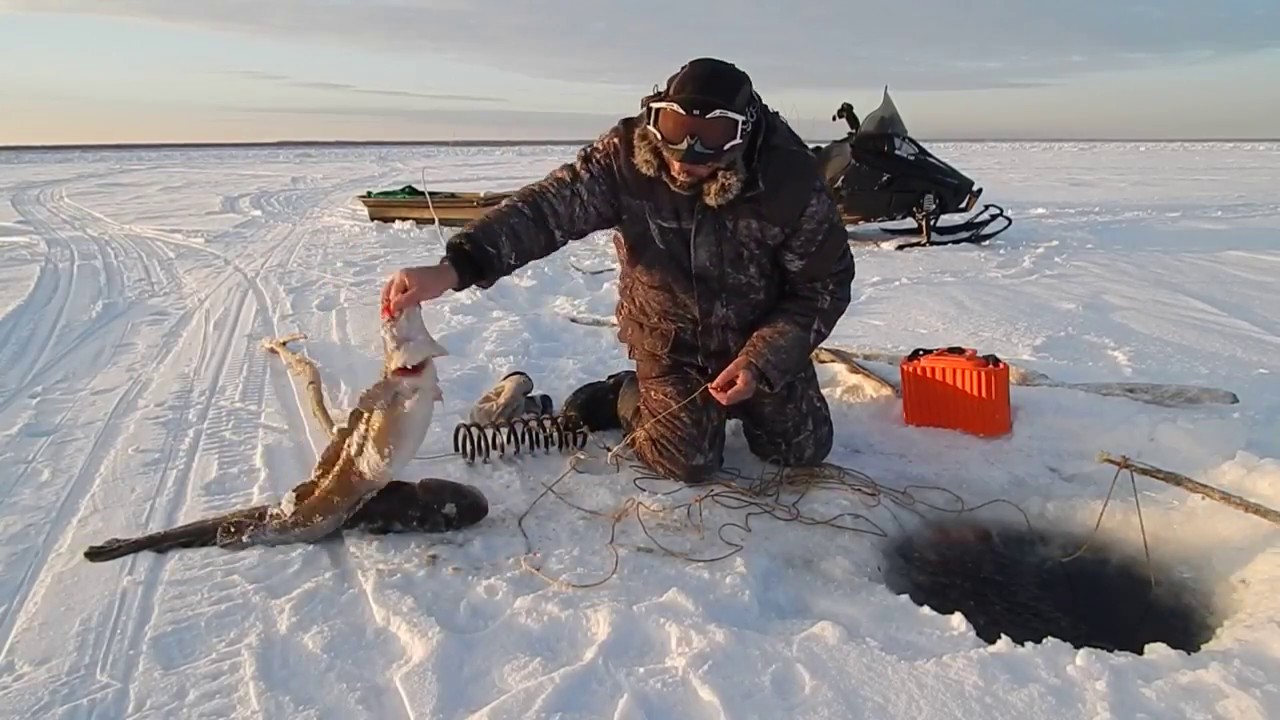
x,y
713,133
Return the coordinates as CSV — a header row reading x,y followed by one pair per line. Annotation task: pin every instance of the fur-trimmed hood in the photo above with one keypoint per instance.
x,y
722,187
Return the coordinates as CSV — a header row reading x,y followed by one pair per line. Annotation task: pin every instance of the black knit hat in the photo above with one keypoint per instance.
x,y
710,84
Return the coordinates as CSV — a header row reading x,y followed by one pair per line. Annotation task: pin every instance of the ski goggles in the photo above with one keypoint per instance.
x,y
691,137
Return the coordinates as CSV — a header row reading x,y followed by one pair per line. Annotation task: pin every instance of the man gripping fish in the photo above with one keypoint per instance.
x,y
358,467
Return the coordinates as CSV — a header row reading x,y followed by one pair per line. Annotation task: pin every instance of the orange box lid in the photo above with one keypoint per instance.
x,y
954,356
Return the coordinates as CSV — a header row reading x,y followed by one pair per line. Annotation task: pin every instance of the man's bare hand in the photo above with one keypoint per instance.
x,y
735,383
409,286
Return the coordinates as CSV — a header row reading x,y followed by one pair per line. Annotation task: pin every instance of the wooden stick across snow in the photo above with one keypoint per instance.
x,y
1192,486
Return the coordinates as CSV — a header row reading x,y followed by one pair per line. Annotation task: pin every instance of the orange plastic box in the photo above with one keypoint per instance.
x,y
957,389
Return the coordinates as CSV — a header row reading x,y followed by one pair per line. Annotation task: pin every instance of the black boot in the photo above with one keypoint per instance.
x,y
538,406
596,405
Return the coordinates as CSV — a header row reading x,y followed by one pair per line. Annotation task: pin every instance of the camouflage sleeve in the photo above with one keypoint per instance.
x,y
818,271
571,202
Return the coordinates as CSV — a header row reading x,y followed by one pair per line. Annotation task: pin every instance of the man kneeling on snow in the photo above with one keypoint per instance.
x,y
735,265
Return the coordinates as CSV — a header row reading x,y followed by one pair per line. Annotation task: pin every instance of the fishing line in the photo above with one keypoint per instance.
x,y
431,206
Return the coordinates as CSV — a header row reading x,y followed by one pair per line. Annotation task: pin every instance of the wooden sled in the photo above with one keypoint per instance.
x,y
450,209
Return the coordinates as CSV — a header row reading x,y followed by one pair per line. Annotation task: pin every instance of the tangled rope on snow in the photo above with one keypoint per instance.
x,y
776,492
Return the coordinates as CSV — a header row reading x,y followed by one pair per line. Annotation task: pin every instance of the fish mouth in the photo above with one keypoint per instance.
x,y
410,370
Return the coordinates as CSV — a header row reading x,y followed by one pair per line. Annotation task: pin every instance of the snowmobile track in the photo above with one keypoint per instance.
x,y
52,212
156,265
105,442
105,649
224,380
43,312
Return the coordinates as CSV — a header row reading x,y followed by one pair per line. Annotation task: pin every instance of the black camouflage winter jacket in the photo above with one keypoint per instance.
x,y
754,261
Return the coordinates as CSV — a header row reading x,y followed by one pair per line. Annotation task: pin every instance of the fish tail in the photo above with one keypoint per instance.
x,y
200,533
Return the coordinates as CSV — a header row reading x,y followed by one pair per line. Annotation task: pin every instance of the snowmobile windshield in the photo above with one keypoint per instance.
x,y
884,120
692,136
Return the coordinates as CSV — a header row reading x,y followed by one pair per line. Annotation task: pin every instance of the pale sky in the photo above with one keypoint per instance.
x,y
88,71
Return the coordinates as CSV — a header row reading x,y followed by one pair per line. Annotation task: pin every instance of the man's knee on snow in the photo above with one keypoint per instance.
x,y
800,445
682,443
792,426
685,464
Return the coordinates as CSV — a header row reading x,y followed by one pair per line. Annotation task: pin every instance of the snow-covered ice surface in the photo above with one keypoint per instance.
x,y
135,287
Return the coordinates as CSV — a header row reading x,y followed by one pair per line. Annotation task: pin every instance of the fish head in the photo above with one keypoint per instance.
x,y
409,351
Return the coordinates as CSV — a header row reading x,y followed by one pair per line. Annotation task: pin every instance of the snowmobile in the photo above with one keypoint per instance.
x,y
879,173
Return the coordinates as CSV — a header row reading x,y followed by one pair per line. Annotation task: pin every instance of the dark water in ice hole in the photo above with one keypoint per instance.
x,y
1011,580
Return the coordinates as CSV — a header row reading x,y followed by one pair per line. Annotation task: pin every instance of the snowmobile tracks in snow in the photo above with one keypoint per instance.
x,y
105,647
109,654
63,226
198,418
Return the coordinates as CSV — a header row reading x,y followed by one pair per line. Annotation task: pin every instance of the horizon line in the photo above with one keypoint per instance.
x,y
214,144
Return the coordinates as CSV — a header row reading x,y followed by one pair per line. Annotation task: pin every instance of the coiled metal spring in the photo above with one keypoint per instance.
x,y
473,440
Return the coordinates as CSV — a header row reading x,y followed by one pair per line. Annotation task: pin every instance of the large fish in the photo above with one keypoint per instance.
x,y
362,460
382,434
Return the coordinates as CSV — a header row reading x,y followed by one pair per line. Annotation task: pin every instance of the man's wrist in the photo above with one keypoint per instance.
x,y
464,267
453,271
753,363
